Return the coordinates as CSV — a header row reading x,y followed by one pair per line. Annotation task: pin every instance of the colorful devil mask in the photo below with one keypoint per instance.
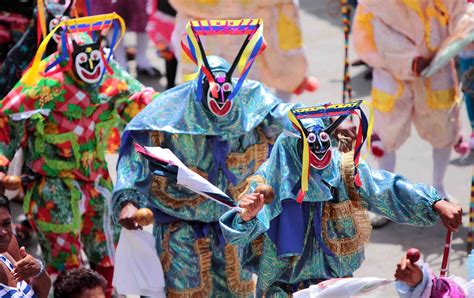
x,y
85,58
55,13
87,61
215,88
319,143
220,105
314,141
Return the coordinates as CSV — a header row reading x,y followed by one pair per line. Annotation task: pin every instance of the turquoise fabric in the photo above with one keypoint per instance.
x,y
382,192
191,133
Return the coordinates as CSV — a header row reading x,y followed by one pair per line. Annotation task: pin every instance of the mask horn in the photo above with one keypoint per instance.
x,y
237,59
204,57
335,124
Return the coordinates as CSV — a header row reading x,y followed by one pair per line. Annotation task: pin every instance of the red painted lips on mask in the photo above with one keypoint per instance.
x,y
95,75
320,163
214,107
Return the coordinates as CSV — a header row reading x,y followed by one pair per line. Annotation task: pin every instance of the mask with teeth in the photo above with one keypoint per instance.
x,y
87,61
319,147
219,105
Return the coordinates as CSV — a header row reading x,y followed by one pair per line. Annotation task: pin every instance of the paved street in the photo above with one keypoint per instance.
x,y
324,44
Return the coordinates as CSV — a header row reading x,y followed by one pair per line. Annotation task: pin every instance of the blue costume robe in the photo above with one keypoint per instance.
x,y
292,245
226,151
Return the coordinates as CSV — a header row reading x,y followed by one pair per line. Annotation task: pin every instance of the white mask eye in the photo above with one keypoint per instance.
x,y
324,137
311,138
95,55
82,57
227,87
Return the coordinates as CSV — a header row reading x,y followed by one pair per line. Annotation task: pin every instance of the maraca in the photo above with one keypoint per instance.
x,y
12,182
267,191
413,254
143,217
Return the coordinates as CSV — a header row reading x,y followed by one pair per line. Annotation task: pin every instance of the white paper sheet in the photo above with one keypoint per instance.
x,y
186,177
138,269
346,287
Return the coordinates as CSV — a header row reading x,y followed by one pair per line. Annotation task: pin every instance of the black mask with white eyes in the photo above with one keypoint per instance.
x,y
220,105
55,14
87,61
319,143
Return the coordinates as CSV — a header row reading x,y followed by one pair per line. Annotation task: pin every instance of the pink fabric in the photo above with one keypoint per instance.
x,y
133,12
446,288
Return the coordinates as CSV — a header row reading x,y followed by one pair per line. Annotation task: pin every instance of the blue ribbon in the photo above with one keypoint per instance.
x,y
220,150
64,51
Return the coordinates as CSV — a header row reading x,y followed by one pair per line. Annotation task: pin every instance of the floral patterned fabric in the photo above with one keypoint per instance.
x,y
64,124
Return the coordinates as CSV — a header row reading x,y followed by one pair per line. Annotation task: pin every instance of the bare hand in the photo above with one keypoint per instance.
x,y
419,64
450,214
252,203
345,133
127,219
27,267
408,272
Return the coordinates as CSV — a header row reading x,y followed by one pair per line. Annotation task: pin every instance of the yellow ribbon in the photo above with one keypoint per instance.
x,y
230,23
305,159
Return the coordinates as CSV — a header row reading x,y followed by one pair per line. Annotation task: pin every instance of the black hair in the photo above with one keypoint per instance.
x,y
72,283
5,203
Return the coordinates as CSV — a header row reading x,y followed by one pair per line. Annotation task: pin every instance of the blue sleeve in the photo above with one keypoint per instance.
x,y
133,176
239,232
394,197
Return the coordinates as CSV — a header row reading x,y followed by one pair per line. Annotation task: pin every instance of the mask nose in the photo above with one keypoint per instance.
x,y
91,64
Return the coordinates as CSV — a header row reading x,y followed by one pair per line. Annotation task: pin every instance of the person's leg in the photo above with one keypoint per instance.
x,y
143,64
119,53
387,161
440,165
50,204
393,103
99,235
284,96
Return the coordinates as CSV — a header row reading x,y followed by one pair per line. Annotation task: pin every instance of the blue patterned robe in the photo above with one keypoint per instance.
x,y
291,245
194,255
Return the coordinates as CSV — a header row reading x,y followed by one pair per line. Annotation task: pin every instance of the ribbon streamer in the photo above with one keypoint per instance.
x,y
252,47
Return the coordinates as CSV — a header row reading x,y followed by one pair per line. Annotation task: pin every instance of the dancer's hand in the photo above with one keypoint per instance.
x,y
450,214
408,272
419,64
27,267
127,219
345,134
252,203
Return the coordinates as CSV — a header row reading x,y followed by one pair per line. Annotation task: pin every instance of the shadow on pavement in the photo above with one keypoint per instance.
x,y
327,10
463,162
430,240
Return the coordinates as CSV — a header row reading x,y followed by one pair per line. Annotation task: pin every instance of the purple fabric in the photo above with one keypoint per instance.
x,y
133,12
220,150
288,229
446,288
